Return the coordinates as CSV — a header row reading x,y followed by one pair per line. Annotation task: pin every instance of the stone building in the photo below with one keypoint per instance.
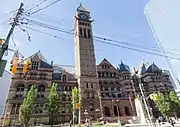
x,y
105,91
41,75
153,79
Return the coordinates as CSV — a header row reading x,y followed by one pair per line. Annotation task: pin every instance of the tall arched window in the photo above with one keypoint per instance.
x,y
85,35
89,33
19,91
115,110
107,112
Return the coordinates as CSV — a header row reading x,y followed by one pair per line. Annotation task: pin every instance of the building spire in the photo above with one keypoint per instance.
x,y
81,8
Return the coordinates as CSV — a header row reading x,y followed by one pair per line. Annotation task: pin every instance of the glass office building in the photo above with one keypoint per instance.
x,y
164,19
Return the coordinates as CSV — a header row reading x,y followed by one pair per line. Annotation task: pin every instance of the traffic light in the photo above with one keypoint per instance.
x,y
77,105
26,66
2,41
14,66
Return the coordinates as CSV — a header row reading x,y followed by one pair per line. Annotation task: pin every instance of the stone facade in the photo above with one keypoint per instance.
x,y
105,91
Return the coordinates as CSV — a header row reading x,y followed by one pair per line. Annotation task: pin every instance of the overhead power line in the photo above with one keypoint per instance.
x,y
36,30
104,40
101,38
138,50
153,48
49,27
134,45
45,7
39,2
58,20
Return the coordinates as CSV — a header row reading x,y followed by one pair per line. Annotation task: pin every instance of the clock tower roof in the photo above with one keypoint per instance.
x,y
82,9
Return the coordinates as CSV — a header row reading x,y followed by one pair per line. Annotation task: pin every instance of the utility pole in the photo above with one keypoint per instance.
x,y
5,45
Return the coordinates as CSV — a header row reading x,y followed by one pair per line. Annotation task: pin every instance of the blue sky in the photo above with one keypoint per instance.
x,y
164,19
121,20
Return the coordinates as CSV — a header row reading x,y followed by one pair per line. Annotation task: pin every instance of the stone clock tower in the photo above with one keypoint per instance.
x,y
85,64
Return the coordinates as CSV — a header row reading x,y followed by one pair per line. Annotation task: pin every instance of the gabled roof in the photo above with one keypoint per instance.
x,y
43,62
45,65
38,55
105,61
123,67
153,68
81,8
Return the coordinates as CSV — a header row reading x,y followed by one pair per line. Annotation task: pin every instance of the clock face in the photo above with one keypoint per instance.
x,y
83,16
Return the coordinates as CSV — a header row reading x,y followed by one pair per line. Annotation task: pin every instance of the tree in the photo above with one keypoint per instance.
x,y
167,104
27,108
53,104
75,104
175,103
163,104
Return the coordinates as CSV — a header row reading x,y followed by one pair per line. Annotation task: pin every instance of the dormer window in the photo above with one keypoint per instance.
x,y
34,65
64,78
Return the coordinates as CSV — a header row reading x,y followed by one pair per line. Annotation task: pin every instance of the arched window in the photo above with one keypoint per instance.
x,y
115,111
89,33
107,112
85,35
41,91
127,112
19,91
91,107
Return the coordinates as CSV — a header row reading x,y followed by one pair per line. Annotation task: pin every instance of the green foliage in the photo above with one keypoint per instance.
x,y
27,108
75,100
163,104
167,104
53,104
75,96
175,103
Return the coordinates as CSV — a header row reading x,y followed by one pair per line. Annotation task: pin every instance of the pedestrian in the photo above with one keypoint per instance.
x,y
171,122
87,123
70,123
